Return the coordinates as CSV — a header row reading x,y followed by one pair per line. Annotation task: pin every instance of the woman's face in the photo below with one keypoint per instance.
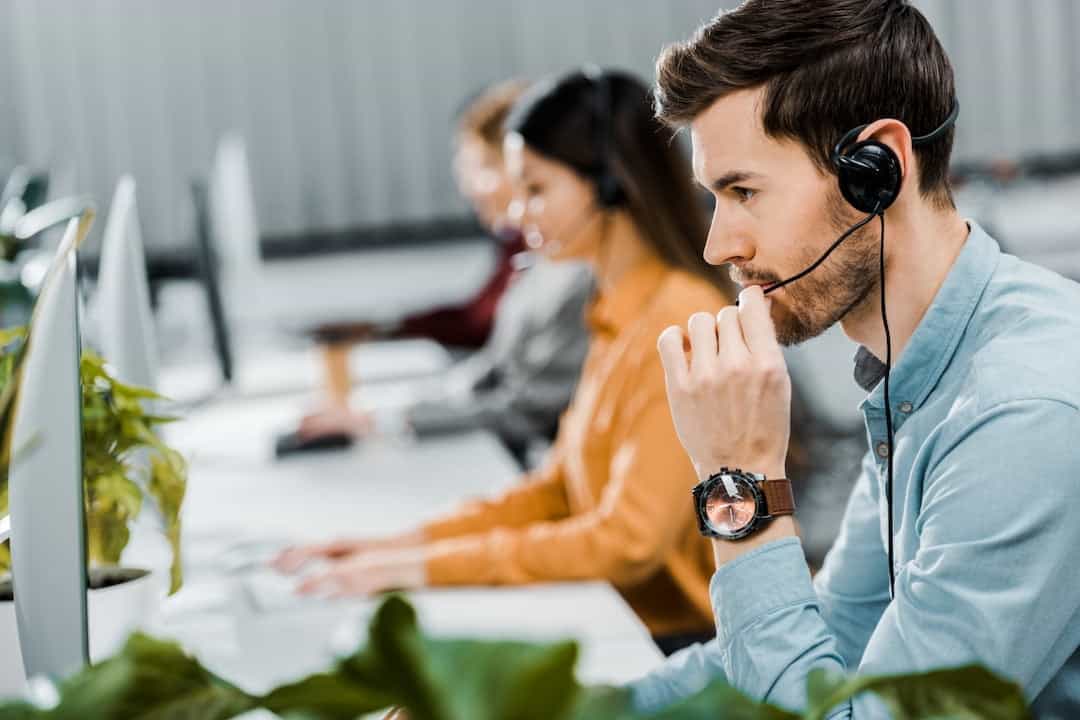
x,y
553,205
482,179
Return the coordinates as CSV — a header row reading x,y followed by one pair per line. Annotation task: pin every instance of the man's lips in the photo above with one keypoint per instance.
x,y
763,285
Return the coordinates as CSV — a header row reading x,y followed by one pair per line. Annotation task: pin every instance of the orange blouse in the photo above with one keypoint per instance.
x,y
613,501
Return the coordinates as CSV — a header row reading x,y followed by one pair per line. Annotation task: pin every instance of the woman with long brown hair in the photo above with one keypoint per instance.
x,y
597,180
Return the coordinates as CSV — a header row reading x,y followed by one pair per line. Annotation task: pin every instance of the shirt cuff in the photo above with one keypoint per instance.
x,y
459,561
762,581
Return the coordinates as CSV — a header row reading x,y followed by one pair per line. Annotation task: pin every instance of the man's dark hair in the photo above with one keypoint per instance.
x,y
826,66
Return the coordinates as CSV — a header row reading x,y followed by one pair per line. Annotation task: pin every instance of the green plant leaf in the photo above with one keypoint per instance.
x,y
472,680
126,392
168,485
149,679
10,335
720,701
969,692
117,426
437,679
821,690
602,702
501,680
20,711
328,696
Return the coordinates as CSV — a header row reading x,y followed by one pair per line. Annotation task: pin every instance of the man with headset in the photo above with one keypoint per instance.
x,y
823,128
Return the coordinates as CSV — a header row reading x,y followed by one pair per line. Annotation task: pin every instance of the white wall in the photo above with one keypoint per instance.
x,y
346,105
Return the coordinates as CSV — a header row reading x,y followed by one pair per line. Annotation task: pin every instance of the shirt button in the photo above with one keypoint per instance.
x,y
906,407
883,450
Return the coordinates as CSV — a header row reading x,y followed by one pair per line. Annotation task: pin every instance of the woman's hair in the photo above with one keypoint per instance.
x,y
603,124
484,114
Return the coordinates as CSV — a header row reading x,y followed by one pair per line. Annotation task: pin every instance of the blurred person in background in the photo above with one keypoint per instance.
x,y
599,181
524,374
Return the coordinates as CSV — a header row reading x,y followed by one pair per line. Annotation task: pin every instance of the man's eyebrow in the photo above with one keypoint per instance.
x,y
735,176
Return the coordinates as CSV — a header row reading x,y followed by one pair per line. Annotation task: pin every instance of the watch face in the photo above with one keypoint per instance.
x,y
730,505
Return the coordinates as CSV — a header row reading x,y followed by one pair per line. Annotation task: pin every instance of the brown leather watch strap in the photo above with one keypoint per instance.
x,y
779,499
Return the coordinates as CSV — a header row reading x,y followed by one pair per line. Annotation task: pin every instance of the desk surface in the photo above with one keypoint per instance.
x,y
265,371
242,505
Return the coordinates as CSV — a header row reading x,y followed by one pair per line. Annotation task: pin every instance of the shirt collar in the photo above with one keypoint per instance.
x,y
613,309
938,334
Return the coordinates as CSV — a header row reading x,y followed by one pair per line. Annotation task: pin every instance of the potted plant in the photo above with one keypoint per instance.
x,y
442,679
124,463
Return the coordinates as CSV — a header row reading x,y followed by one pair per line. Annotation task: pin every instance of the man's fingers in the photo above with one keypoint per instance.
x,y
671,344
702,331
756,323
729,336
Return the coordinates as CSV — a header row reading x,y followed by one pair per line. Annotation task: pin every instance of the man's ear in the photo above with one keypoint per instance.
x,y
897,137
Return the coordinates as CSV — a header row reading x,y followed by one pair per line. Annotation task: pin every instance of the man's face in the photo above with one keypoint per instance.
x,y
776,213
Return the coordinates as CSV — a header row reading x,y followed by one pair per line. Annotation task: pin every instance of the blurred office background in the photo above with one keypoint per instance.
x,y
346,107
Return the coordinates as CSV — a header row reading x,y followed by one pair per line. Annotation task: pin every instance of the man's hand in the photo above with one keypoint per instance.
x,y
729,390
368,574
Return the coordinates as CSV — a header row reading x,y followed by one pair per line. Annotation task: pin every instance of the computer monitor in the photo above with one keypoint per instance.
x,y
45,485
234,229
209,275
124,322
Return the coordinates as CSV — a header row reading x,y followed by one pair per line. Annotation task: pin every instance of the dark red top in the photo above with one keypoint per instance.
x,y
469,324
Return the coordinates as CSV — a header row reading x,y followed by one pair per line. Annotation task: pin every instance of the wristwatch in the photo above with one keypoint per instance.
x,y
733,504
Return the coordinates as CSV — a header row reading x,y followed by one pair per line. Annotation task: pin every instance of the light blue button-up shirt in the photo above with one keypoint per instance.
x,y
986,410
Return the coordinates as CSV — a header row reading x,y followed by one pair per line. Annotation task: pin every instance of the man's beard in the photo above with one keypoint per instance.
x,y
816,302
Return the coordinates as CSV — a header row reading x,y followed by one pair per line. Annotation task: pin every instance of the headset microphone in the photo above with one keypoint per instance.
x,y
536,240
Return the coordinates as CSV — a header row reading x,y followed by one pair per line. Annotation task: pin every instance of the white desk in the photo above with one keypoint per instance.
x,y
237,494
273,370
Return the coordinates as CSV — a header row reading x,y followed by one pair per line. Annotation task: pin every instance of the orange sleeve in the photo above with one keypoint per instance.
x,y
540,497
645,505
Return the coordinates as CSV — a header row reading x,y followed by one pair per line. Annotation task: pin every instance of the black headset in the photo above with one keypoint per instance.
x,y
870,179
869,176
609,193
869,171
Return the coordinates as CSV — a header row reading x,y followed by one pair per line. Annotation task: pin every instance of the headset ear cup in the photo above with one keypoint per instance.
x,y
608,193
869,176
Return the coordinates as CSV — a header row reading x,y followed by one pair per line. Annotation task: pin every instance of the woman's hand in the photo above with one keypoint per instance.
x,y
294,558
336,421
369,573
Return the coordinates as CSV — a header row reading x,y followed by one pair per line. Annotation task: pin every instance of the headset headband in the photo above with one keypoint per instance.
x,y
916,140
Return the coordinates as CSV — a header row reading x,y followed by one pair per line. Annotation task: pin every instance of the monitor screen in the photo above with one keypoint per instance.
x,y
210,276
45,486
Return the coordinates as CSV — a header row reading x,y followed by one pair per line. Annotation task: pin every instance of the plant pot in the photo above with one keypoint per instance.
x,y
119,601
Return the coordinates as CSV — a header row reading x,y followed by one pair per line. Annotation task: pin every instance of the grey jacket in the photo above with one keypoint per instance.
x,y
519,383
